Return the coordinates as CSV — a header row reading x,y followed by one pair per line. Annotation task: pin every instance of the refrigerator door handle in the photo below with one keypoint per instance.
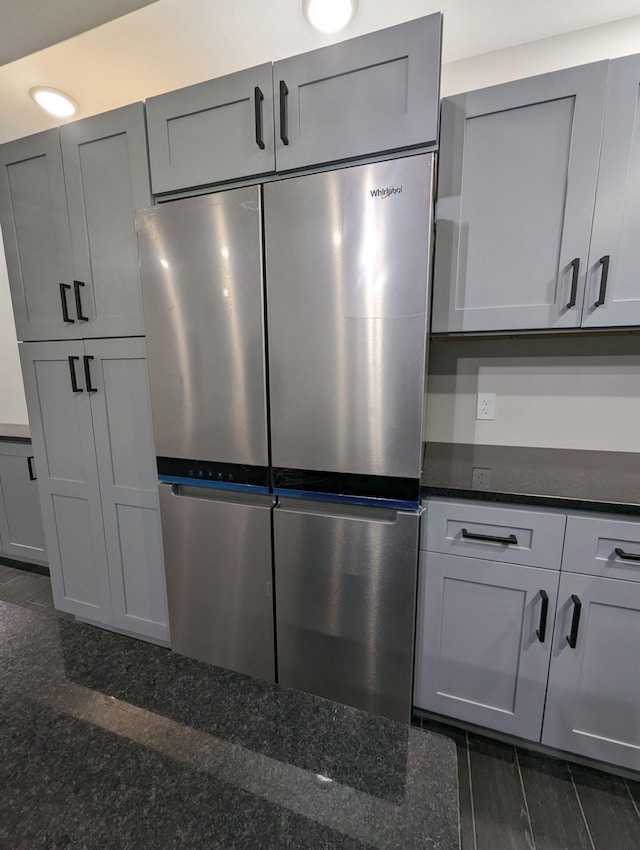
x,y
340,509
215,494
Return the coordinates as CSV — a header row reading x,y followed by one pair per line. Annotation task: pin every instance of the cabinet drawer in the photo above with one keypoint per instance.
x,y
603,547
512,535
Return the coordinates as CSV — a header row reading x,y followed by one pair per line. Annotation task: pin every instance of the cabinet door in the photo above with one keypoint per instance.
x,y
593,701
21,529
107,178
62,435
35,229
378,92
516,190
128,485
613,291
483,641
211,132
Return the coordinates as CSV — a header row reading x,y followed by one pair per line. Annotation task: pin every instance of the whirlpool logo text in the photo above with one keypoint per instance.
x,y
386,193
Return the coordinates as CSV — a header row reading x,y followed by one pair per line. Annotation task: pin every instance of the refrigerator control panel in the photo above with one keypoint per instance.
x,y
213,471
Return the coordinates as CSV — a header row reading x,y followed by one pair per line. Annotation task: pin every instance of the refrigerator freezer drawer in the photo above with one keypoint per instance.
x,y
217,549
345,603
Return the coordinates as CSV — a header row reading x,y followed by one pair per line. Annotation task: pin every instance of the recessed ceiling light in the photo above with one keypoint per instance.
x,y
54,102
329,15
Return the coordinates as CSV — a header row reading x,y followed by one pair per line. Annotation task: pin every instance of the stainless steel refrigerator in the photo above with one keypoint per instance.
x,y
336,303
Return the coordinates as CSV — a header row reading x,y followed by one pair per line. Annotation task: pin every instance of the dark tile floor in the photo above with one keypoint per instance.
x,y
513,799
510,799
29,590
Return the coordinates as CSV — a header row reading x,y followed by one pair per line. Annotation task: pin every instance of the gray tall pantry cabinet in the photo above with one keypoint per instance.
x,y
67,203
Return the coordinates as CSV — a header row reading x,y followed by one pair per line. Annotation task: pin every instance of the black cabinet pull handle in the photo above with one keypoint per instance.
x,y
626,556
76,287
258,97
541,631
284,118
572,637
511,540
65,307
87,373
604,262
32,475
72,372
575,264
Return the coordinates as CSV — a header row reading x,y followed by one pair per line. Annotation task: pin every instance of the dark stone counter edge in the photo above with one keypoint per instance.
x,y
5,439
560,502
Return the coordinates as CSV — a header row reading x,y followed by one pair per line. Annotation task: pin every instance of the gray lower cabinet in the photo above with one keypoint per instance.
x,y
593,701
218,130
516,190
89,411
612,292
483,641
21,532
67,204
378,92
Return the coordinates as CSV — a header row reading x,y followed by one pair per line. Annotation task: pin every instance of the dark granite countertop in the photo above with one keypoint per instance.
x,y
568,479
15,433
109,742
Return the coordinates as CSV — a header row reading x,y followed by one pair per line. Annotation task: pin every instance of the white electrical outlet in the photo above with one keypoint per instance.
x,y
486,406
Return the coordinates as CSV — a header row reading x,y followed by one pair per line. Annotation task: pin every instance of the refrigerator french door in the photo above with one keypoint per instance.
x,y
347,265
202,284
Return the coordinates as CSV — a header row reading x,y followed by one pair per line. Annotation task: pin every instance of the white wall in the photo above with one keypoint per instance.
x,y
567,392
13,408
607,41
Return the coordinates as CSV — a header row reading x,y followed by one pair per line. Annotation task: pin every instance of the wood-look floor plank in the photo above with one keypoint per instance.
x,y
501,818
467,827
557,822
611,816
7,574
22,587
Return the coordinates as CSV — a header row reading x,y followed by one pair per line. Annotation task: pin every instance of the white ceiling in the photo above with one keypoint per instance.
x,y
173,43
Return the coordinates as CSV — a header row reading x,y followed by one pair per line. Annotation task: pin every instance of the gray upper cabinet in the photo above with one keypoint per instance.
x,y
593,700
613,289
517,183
67,207
121,410
107,179
62,433
211,132
21,532
375,93
35,229
483,641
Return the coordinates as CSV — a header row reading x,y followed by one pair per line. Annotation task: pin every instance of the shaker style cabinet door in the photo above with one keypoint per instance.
x,y
107,179
593,701
378,92
516,189
214,131
613,273
483,641
35,229
121,411
21,532
58,401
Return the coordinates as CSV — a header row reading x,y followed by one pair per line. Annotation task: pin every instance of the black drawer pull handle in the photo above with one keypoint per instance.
x,y
604,262
258,97
626,556
87,373
575,264
76,287
284,118
511,540
572,637
65,307
72,372
541,631
32,474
